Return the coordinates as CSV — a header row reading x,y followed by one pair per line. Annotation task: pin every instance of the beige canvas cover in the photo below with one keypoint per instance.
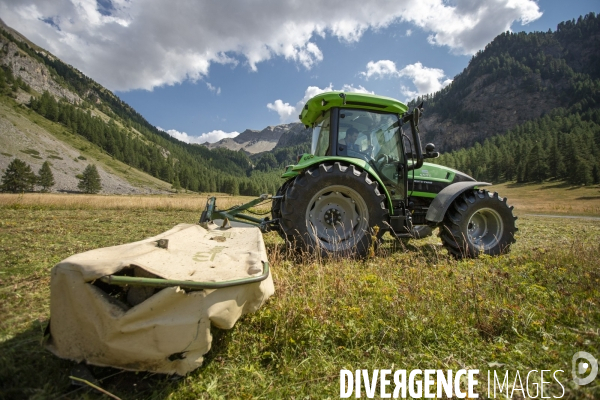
x,y
160,330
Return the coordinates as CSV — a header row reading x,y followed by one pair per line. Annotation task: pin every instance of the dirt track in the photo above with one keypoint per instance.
x,y
563,216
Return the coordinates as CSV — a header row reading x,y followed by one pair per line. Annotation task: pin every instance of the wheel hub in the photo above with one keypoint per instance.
x,y
332,216
485,228
337,217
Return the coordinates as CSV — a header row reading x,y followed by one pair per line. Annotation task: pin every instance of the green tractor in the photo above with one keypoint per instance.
x,y
365,176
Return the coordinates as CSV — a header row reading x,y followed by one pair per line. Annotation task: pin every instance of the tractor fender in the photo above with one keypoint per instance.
x,y
446,196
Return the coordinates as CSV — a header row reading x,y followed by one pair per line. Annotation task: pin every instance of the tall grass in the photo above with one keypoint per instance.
x,y
193,202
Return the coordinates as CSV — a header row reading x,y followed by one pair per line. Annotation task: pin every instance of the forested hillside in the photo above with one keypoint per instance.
x,y
558,146
124,134
563,143
518,77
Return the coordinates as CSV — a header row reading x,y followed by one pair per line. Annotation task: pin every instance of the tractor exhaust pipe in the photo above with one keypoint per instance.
x,y
413,118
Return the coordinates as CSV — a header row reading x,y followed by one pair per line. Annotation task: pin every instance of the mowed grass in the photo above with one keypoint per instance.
x,y
412,306
551,197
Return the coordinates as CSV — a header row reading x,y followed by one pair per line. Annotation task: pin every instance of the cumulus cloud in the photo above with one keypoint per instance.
x,y
285,111
211,137
134,44
426,80
288,113
380,69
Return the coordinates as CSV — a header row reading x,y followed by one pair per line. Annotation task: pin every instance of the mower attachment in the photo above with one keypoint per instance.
x,y
236,214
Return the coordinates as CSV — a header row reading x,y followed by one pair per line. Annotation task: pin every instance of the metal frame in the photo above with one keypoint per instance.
x,y
236,213
188,285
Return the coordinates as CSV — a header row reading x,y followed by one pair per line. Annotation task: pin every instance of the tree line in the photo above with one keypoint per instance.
x,y
20,178
195,168
561,145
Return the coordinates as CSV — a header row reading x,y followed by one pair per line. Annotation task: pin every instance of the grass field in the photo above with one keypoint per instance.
x,y
551,198
411,306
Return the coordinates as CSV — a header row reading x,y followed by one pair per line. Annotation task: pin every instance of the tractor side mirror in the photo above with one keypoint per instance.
x,y
430,151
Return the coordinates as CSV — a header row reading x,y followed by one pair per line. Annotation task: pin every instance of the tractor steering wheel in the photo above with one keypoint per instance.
x,y
382,159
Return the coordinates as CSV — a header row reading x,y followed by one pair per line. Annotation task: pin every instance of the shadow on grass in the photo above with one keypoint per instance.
x,y
28,370
429,251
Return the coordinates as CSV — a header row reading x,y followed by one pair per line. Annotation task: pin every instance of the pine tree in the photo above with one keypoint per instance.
x,y
45,177
18,177
89,181
176,185
582,172
536,164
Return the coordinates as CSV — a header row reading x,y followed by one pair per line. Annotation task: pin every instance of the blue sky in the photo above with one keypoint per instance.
x,y
204,70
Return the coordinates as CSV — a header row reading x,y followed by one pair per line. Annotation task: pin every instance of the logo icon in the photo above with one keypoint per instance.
x,y
582,367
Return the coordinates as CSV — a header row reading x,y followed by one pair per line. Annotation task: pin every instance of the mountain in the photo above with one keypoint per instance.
x,y
253,141
518,77
55,113
527,108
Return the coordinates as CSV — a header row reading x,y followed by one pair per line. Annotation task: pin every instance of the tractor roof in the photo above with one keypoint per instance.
x,y
324,101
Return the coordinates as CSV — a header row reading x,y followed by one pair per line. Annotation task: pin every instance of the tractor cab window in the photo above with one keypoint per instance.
x,y
375,138
320,136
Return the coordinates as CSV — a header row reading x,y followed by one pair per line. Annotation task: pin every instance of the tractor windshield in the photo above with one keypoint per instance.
x,y
320,136
375,138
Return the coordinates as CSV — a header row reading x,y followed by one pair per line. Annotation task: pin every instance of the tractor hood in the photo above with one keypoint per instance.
x,y
430,179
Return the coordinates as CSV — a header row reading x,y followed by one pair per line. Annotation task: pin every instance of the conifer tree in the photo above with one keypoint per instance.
x,y
536,164
45,177
18,177
176,184
89,181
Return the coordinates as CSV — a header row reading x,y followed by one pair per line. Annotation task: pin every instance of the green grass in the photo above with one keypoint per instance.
x,y
409,307
551,197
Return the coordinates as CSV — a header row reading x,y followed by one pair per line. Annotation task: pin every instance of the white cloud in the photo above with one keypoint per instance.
x,y
285,111
426,80
211,137
380,69
408,32
288,113
216,90
134,44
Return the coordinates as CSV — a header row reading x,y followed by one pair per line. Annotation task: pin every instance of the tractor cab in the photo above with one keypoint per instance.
x,y
366,130
371,136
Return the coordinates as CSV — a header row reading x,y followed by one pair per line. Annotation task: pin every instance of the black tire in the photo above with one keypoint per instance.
x,y
276,205
478,222
421,231
333,209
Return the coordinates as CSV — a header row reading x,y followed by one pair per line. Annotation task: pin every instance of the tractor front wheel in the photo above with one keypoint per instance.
x,y
333,209
478,222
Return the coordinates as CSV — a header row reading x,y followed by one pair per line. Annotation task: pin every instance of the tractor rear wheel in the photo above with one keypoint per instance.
x,y
478,222
333,209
